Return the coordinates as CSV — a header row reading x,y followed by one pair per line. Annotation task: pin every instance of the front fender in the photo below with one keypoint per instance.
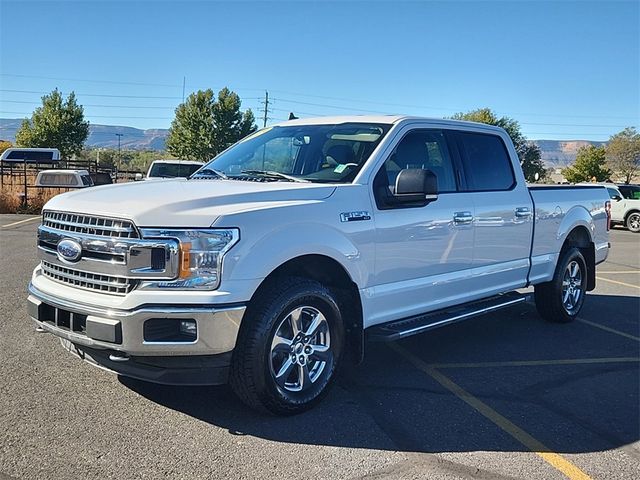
x,y
257,258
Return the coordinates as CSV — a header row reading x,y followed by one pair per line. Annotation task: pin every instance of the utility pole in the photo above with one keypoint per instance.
x,y
119,135
266,108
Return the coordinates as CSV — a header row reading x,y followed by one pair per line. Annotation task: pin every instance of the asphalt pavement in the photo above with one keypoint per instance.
x,y
502,396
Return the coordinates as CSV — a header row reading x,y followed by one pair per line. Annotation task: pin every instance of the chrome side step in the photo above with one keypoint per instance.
x,y
406,327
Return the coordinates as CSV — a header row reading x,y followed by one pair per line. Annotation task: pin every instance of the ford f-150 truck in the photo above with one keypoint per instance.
x,y
275,262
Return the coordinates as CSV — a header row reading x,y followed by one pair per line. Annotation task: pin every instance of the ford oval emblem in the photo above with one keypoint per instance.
x,y
69,250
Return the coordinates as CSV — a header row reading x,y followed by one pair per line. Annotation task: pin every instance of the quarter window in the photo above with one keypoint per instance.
x,y
486,162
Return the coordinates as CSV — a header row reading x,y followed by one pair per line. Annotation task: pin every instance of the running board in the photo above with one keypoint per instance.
x,y
406,327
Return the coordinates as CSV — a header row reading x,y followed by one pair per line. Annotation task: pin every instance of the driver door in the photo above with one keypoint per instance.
x,y
424,254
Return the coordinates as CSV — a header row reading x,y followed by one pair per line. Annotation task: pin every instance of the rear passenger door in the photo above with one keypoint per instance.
x,y
503,220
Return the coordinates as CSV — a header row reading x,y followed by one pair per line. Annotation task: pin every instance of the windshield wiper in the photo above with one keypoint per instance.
x,y
209,172
272,174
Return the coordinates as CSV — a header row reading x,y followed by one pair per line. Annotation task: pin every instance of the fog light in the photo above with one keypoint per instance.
x,y
189,328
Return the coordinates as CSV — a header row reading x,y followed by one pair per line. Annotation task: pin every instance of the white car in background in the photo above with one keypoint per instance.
x,y
625,205
173,168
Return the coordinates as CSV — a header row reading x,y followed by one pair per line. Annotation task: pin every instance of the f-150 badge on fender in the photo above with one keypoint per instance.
x,y
354,216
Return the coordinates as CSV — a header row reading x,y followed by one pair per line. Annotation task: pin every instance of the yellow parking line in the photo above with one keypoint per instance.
x,y
618,283
619,271
555,460
536,363
21,221
609,329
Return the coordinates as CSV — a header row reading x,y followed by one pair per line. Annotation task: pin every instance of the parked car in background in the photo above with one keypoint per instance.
x,y
31,155
173,168
625,205
64,178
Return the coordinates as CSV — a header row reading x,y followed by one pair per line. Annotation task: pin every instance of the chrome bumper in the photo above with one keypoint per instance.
x,y
123,330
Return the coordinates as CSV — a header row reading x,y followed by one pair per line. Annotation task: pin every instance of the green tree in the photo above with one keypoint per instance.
x,y
623,153
204,126
589,164
56,124
528,152
4,144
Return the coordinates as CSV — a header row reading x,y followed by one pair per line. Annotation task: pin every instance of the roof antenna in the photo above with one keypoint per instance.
x,y
292,116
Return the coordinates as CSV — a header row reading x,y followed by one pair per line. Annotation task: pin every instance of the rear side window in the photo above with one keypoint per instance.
x,y
486,162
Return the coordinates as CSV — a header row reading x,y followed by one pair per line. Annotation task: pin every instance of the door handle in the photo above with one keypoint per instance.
x,y
462,218
523,212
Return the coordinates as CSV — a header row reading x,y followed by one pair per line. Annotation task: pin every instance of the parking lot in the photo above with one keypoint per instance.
x,y
498,397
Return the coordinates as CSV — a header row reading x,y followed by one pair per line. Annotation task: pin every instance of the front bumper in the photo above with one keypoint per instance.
x,y
105,334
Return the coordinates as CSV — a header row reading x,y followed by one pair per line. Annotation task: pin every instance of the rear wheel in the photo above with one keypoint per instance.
x,y
633,222
561,299
289,347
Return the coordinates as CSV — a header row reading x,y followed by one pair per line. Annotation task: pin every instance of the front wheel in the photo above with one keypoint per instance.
x,y
561,299
633,222
289,347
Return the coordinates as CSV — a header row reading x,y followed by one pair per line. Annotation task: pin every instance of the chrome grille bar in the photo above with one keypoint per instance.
x,y
89,224
88,281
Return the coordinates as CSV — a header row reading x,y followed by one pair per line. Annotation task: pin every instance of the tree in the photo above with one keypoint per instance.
x,y
623,153
56,124
4,144
204,126
528,152
589,164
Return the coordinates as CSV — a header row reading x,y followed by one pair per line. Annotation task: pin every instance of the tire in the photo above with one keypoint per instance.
x,y
561,299
281,370
633,222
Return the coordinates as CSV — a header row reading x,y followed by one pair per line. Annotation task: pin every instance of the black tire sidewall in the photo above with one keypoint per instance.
x,y
628,222
572,254
304,292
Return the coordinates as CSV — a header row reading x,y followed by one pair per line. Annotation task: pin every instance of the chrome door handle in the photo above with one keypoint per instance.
x,y
461,218
523,212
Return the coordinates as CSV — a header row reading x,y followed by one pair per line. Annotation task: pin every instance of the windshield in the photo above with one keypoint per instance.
x,y
630,192
169,170
313,153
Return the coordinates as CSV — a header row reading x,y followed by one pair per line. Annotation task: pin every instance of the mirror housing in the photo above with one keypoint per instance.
x,y
416,185
617,198
138,177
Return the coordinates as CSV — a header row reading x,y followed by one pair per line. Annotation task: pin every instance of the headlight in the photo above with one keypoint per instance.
x,y
200,257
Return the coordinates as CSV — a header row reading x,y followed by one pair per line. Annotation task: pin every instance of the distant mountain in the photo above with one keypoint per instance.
x,y
560,153
103,136
555,153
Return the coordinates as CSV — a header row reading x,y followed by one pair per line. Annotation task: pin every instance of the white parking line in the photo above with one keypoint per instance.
x,y
21,221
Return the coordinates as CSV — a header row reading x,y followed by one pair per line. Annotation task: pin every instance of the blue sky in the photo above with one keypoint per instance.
x,y
563,69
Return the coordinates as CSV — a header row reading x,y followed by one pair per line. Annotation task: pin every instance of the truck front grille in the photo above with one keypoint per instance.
x,y
89,224
88,281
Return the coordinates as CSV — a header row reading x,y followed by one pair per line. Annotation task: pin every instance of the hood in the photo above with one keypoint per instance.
x,y
180,202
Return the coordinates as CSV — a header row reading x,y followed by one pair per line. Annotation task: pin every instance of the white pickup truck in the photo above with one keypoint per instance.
x,y
272,265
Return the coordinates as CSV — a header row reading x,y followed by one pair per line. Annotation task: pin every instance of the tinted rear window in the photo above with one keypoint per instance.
x,y
169,170
30,155
486,162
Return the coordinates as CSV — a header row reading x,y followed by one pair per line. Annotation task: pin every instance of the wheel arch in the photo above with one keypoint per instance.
x,y
580,238
334,275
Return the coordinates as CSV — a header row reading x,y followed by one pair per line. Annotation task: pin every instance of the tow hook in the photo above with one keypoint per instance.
x,y
119,357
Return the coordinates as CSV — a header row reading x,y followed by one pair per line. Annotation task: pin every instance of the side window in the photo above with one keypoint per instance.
x,y
486,162
612,192
426,149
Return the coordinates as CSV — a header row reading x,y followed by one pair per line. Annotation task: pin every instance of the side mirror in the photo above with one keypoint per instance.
x,y
617,198
138,177
415,185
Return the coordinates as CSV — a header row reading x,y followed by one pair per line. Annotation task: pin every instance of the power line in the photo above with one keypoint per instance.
x,y
112,82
